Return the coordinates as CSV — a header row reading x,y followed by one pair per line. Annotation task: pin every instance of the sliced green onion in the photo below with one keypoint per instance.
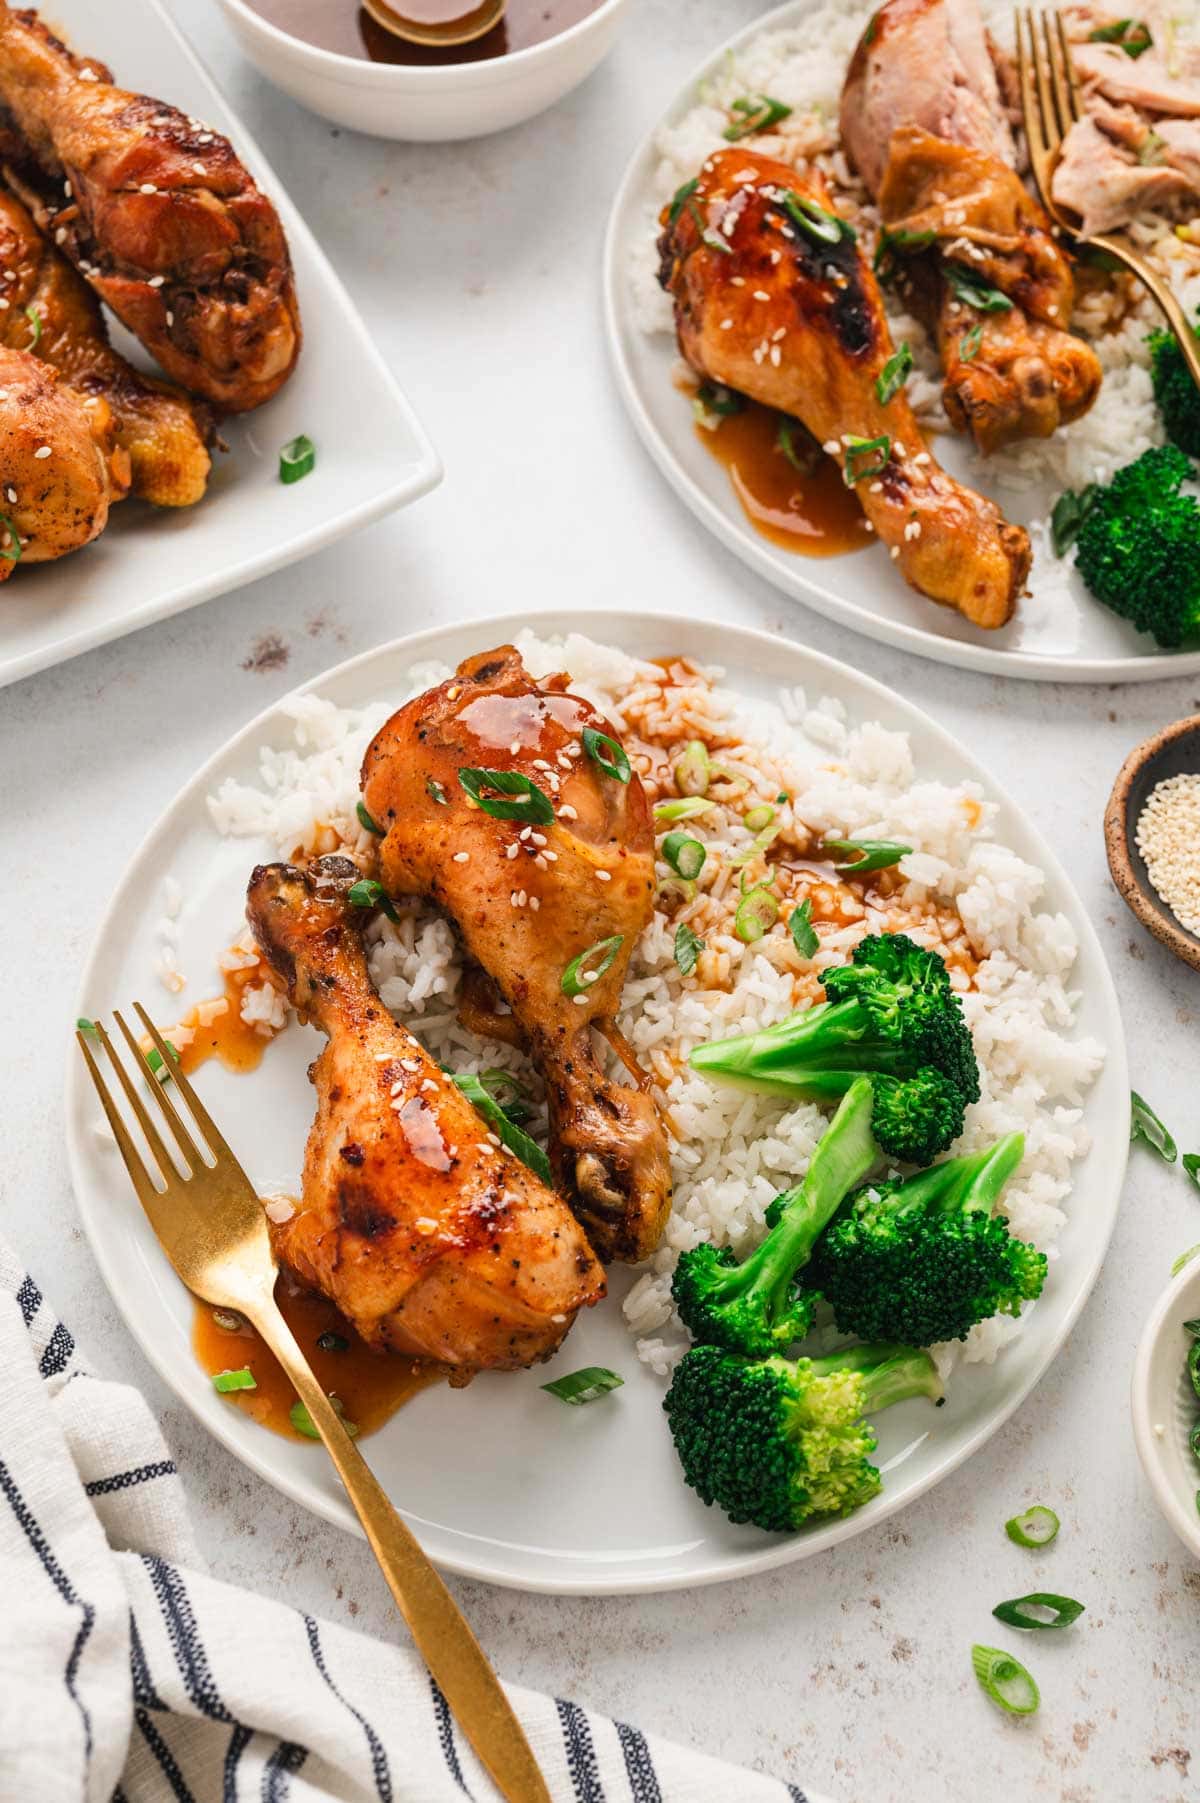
x,y
1183,1259
1192,1327
607,753
1019,1612
757,913
1193,1365
11,552
1151,150
155,1064
1070,511
228,1319
503,1126
800,926
967,288
693,769
865,854
680,199
436,790
883,263
761,840
968,350
333,1342
297,458
815,221
85,1025
35,320
365,821
1133,35
1191,1164
1194,1442
517,797
226,1382
1005,1680
804,456
757,818
303,1423
893,375
583,1386
708,236
716,398
1145,1125
666,813
688,947
367,893
865,457
575,979
1034,1527
684,854
758,112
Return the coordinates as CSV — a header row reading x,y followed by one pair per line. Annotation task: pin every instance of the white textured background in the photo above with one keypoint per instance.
x,y
477,268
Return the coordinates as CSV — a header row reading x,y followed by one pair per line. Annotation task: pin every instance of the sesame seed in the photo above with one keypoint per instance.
x,y
493,1139
567,812
380,1057
513,849
410,1064
156,281
462,857
604,876
727,325
424,1225
522,898
428,1083
591,976
525,834
776,355
147,188
4,306
868,526
895,551
11,494
514,748
580,1001
87,74
875,488
550,857
538,838
199,169
398,1088
206,137
776,336
922,457
512,898
60,236
1052,310
737,281
541,764
453,693
534,903
170,317
761,294
67,189
831,447
43,450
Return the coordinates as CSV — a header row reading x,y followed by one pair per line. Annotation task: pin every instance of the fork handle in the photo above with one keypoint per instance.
x,y
444,1640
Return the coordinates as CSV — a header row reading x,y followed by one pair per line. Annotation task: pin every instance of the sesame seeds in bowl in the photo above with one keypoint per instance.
x,y
1152,836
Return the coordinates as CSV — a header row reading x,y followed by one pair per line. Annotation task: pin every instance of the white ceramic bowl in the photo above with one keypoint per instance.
x,y
1166,1408
389,100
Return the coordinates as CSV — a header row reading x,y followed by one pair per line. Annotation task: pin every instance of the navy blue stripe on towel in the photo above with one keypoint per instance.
x,y
379,1760
126,1480
639,1767
581,1754
58,1577
445,1731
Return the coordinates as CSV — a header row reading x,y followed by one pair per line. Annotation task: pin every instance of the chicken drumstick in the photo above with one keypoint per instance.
x,y
529,897
774,297
430,1237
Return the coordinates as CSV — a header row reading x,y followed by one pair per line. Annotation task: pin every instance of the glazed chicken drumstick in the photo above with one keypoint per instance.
x,y
157,212
52,310
774,297
428,1235
60,466
529,896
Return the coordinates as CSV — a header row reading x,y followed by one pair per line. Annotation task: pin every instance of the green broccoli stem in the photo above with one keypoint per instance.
x,y
890,1374
969,1184
845,1153
792,1053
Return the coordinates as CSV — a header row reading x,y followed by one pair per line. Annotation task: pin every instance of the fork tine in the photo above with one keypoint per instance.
x,y
1039,150
158,1151
216,1144
1051,127
1075,107
138,1174
158,1090
1056,76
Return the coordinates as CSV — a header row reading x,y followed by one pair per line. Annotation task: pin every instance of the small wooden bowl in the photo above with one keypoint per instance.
x,y
1172,752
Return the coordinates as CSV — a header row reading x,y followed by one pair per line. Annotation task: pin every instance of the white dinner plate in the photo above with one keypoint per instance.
x,y
501,1481
372,454
1060,634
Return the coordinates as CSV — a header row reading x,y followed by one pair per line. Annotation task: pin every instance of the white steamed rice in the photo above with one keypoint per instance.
x,y
848,778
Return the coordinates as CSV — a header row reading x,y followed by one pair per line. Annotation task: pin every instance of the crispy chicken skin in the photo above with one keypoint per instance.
x,y
525,906
163,430
429,1238
798,323
1027,376
159,215
57,501
923,122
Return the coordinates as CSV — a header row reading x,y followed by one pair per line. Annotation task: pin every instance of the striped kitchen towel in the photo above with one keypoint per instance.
x,y
128,1675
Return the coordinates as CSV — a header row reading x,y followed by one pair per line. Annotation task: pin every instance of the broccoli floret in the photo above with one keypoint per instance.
x,y
1176,393
891,1013
924,1259
755,1307
782,1441
1138,549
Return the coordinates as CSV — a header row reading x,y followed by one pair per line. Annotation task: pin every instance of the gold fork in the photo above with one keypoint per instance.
x,y
211,1225
1051,105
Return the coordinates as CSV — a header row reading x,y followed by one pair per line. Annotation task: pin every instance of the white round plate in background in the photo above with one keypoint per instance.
x,y
500,1480
1060,633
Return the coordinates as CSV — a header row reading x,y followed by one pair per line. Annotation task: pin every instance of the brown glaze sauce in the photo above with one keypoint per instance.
x,y
370,1385
813,514
348,29
227,1037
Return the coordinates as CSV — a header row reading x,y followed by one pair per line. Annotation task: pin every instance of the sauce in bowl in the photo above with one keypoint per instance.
x,y
348,30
